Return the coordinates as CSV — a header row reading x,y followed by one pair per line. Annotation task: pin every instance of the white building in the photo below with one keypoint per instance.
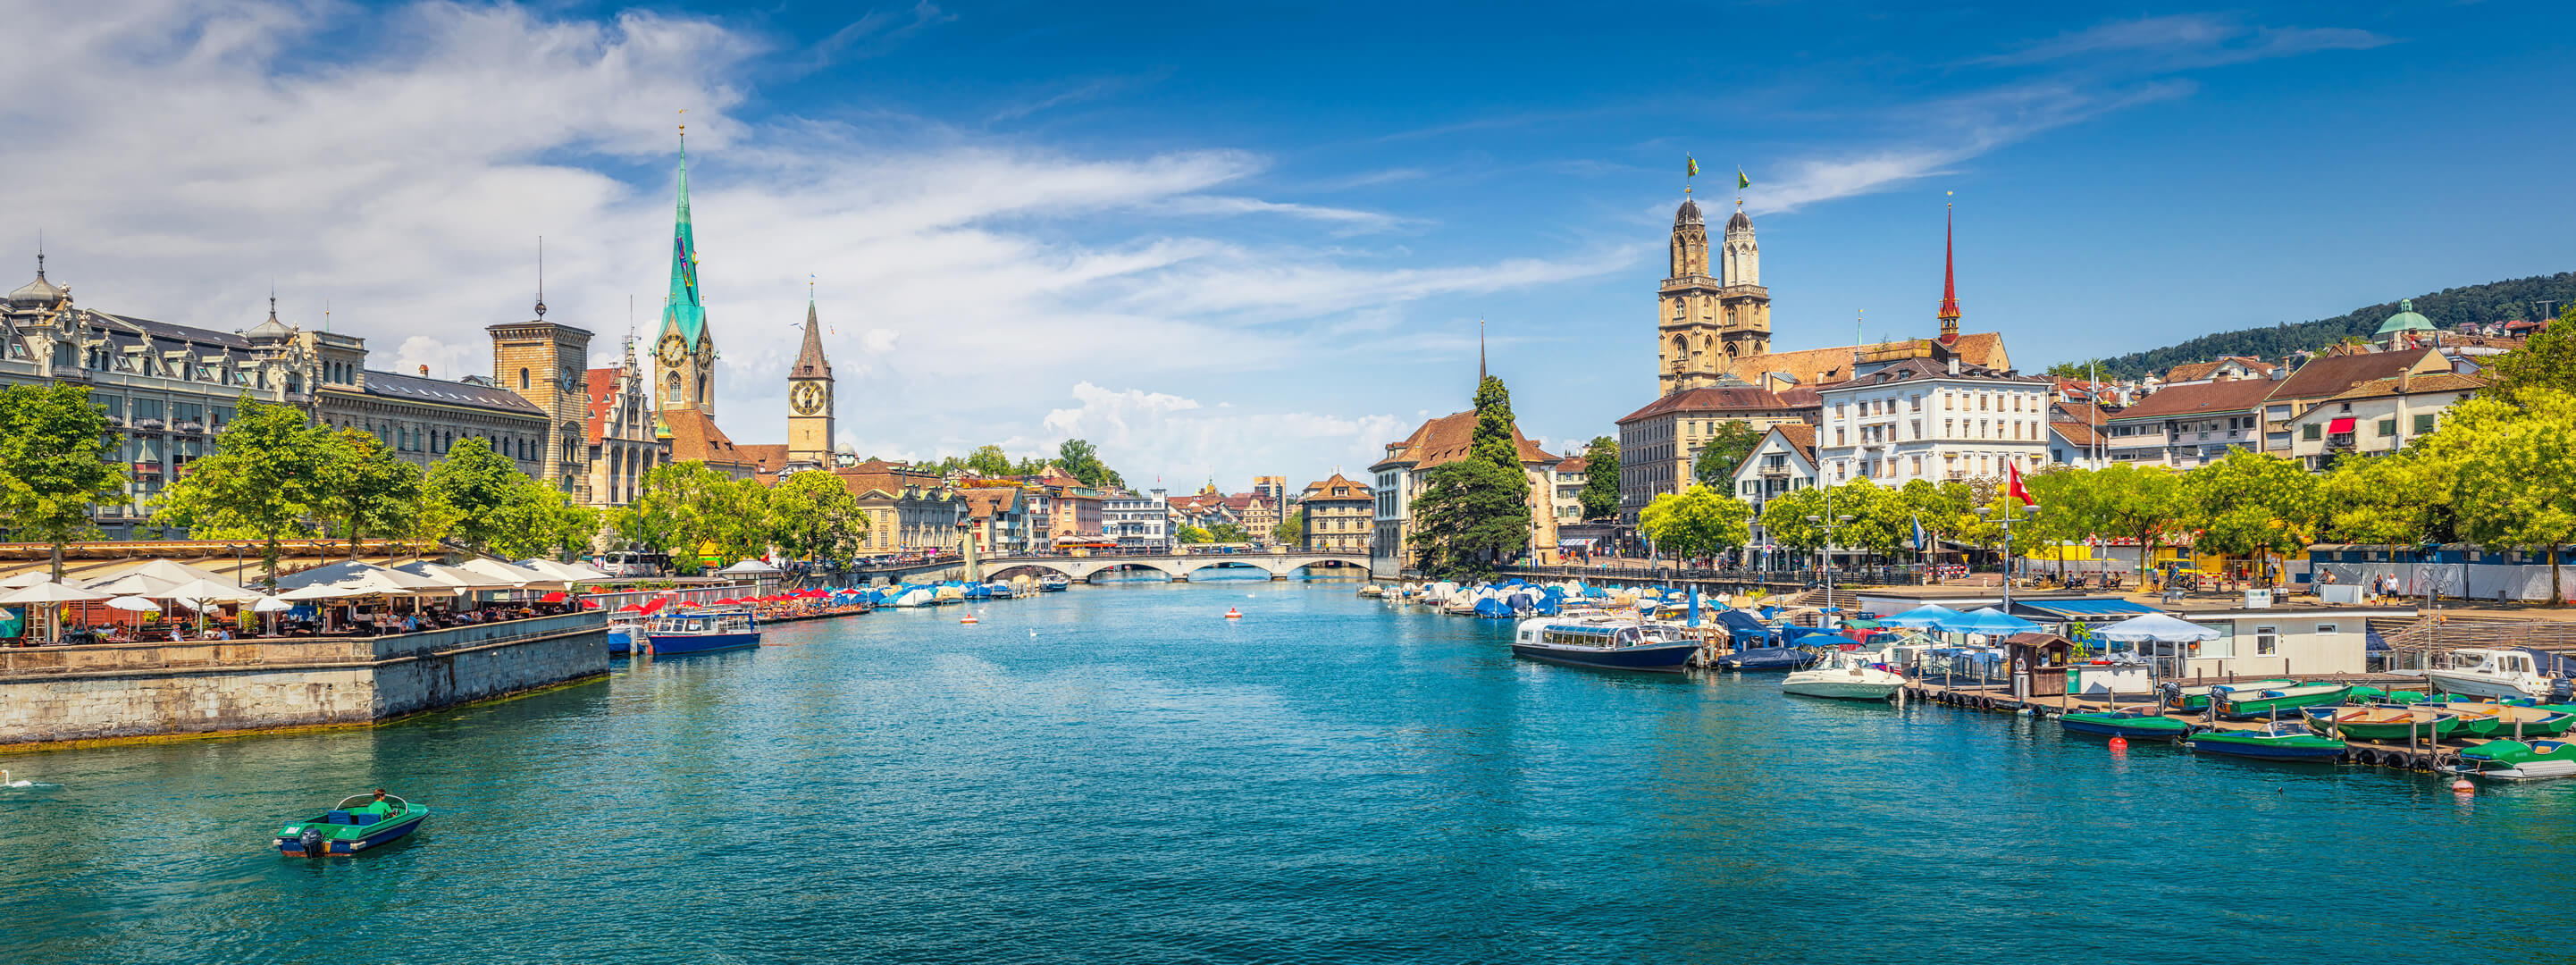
x,y
1918,419
1141,523
1783,462
2377,417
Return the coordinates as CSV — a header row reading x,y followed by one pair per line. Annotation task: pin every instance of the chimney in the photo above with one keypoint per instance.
x,y
424,371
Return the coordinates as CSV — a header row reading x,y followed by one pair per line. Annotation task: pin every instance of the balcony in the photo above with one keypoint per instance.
x,y
147,468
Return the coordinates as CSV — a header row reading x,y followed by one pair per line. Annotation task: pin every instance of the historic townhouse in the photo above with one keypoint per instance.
x,y
1338,515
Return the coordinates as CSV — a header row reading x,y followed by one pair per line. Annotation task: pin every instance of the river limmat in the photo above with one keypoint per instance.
x,y
1119,773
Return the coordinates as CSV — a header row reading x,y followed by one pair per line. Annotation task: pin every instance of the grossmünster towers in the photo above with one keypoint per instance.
x,y
1710,319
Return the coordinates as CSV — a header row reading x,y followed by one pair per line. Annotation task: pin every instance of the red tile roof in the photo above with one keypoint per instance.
x,y
600,382
1713,398
2202,398
2333,374
1447,439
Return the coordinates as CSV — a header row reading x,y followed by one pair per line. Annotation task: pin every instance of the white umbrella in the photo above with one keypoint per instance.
x,y
457,577
137,584
748,567
2158,627
35,576
175,573
272,604
52,593
320,591
563,571
516,576
134,604
213,591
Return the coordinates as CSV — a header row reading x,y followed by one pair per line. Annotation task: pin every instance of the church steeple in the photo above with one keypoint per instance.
x,y
809,397
1949,285
685,350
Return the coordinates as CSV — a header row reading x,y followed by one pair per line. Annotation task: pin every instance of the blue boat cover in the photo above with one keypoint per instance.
x,y
1491,608
1742,626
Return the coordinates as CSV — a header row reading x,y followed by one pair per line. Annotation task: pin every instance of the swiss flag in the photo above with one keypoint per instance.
x,y
2014,487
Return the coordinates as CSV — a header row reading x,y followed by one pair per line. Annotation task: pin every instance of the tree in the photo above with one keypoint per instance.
x,y
540,520
2079,369
2516,485
2067,513
2136,502
2248,504
478,484
1784,518
56,459
2402,498
1078,459
1192,535
1725,451
1228,533
678,510
1291,529
2546,360
366,490
1696,523
261,482
989,461
1945,508
1600,494
812,516
1474,512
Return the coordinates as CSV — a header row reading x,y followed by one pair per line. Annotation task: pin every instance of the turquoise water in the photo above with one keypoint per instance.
x,y
1328,780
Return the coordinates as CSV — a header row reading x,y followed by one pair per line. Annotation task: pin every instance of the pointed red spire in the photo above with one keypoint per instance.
x,y
1949,285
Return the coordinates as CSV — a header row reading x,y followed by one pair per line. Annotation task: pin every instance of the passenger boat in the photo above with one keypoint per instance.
x,y
1847,676
2179,697
699,631
623,630
349,830
2517,672
1758,659
2279,741
2382,722
2244,702
2512,760
2139,722
2492,719
1594,643
1054,583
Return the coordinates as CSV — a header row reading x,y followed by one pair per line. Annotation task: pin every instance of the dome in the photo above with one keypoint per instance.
x,y
2406,320
38,294
1739,221
1688,215
272,328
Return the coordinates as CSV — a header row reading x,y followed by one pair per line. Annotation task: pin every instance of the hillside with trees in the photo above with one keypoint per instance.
x,y
2500,301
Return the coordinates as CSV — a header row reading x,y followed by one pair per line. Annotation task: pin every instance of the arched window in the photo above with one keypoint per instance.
x,y
523,379
674,383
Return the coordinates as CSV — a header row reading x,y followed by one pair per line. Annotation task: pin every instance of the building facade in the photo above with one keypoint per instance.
x,y
1401,474
1138,522
1659,443
1571,476
1338,516
1914,420
1706,319
1782,463
548,364
2377,417
913,519
619,431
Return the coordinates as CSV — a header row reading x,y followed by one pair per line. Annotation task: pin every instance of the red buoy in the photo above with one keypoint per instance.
x,y
2119,743
1233,614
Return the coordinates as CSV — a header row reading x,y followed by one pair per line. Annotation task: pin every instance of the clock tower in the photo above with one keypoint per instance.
x,y
809,399
684,353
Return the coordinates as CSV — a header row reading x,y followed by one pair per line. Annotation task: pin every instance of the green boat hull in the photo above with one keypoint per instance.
x,y
2441,725
2552,726
2300,747
2187,700
2256,705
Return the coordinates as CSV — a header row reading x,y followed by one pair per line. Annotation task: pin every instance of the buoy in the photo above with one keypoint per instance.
x,y
2119,743
2463,786
969,618
1233,614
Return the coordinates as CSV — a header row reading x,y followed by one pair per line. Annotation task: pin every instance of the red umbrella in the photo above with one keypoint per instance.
x,y
554,597
632,608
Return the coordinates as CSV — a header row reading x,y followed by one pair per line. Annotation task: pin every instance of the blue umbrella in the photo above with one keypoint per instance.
x,y
1990,622
1927,615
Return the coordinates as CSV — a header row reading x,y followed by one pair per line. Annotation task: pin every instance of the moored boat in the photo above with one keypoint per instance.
x,y
1597,643
2492,719
699,631
2247,702
348,830
2179,697
624,629
1757,659
2279,741
2382,722
1847,676
2512,760
2514,672
1054,583
2138,722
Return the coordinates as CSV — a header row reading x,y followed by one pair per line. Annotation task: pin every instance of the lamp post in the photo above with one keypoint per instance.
x,y
1830,521
2008,519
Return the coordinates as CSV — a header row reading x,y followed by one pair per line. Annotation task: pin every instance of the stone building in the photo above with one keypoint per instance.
x,y
619,431
1707,321
1916,420
809,400
1339,516
913,518
548,364
1401,475
1659,444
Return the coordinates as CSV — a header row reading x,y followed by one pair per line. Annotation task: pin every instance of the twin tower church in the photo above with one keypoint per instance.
x,y
684,380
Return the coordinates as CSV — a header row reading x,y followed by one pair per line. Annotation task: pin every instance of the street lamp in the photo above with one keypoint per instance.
x,y
2008,519
1830,523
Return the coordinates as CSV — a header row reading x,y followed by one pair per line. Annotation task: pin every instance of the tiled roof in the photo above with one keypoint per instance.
x,y
769,457
1572,464
1337,487
2195,371
1447,439
396,386
2206,397
1712,398
694,435
2076,433
599,383
2432,384
983,502
1911,369
1800,435
1817,366
2333,374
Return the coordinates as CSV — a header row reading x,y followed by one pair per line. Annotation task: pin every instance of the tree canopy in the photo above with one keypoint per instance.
x,y
1600,494
262,481
56,459
1473,513
812,516
2498,301
1723,452
1696,522
1080,460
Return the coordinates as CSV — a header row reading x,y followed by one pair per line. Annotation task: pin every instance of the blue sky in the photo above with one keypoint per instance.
x,y
1226,239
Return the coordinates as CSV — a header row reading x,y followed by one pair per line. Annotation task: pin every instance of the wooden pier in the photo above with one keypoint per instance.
x,y
1997,698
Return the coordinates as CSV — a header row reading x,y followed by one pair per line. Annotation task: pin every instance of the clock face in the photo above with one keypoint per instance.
x,y
807,398
674,351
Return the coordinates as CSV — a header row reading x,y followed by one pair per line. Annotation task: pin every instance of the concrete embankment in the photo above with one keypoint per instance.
x,y
50,695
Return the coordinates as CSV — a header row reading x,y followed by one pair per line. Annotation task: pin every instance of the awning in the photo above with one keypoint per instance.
x,y
2084,609
2340,426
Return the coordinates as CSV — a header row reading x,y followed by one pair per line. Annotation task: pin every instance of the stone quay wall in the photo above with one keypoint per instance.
x,y
117,690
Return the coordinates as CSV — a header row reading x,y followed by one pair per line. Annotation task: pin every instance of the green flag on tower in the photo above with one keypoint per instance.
x,y
1691,166
1740,182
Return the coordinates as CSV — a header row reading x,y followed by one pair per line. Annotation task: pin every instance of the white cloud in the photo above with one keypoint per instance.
x,y
1148,435
2188,40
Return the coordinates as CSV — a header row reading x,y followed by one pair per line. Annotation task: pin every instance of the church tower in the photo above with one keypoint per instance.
x,y
809,399
1949,286
685,350
1708,321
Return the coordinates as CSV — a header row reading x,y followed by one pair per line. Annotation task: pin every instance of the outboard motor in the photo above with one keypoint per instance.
x,y
2562,690
312,841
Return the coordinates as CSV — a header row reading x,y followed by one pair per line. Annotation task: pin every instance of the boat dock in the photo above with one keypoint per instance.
x,y
1997,698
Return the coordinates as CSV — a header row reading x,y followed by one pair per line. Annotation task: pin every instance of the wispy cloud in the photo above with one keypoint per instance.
x,y
1349,220
2186,41
1086,91
873,35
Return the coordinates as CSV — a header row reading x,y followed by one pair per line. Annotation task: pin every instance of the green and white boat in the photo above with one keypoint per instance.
x,y
2374,695
2179,697
2278,741
2490,719
2510,760
2248,701
2127,722
349,830
2382,722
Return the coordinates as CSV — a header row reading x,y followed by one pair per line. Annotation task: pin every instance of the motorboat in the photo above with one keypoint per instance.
x,y
2483,718
2382,722
1604,643
2247,702
2513,672
1054,583
380,819
700,631
1845,676
2179,697
998,590
2279,741
624,630
2145,723
1756,659
2512,760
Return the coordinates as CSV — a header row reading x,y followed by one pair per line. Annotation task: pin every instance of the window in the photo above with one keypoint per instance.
x,y
2328,629
2267,641
2312,432
523,379
2424,424
2388,426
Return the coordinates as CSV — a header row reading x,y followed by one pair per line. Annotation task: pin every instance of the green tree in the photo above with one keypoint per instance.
x,y
679,509
56,459
1192,535
2079,369
1078,459
1474,513
2401,498
478,484
539,520
366,490
1291,529
2141,503
1697,522
2248,504
989,461
1600,494
1785,519
1724,451
812,516
1945,508
1228,533
2516,484
2546,360
2068,514
261,482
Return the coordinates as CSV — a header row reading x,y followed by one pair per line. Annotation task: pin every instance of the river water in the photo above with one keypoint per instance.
x,y
1116,774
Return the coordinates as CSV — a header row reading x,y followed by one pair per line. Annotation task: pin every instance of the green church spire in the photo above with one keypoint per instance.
x,y
686,312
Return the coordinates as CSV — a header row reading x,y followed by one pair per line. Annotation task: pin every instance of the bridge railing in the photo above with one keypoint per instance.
x,y
1853,577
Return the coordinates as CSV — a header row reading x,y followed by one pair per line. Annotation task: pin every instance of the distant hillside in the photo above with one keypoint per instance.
x,y
2499,301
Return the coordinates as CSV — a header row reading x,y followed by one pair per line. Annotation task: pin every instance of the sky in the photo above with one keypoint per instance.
x,y
1222,240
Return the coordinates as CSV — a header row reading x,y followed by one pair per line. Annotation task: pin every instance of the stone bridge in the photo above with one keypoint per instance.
x,y
1280,566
